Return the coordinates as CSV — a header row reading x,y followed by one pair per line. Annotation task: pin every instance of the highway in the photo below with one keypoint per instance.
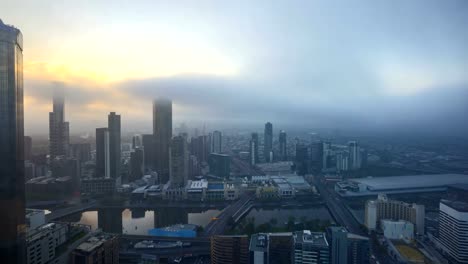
x,y
217,227
339,210
60,213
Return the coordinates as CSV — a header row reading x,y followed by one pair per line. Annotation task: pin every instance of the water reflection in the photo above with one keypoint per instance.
x,y
139,221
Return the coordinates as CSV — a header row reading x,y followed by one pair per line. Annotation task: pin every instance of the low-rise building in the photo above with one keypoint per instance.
x,y
97,186
101,248
398,230
42,242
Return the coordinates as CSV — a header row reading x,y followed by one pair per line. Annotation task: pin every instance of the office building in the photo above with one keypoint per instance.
x,y
114,145
302,159
254,149
220,165
453,229
27,148
179,162
81,152
58,129
384,208
137,141
102,153
268,142
271,248
35,218
342,161
358,249
162,131
216,142
97,186
137,166
12,239
149,149
327,158
354,155
310,247
283,148
230,249
101,248
43,241
200,148
338,239
63,166
316,156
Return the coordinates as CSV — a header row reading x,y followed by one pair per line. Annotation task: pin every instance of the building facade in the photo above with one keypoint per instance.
x,y
268,142
311,248
453,229
216,142
179,162
114,145
283,148
58,129
12,200
102,153
253,149
162,131
230,249
384,208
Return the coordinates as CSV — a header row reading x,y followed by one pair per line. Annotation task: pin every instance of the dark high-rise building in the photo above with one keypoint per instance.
x,y
283,151
179,161
338,239
102,153
101,248
137,141
12,197
27,148
149,149
316,156
58,129
230,249
114,145
302,159
254,149
136,164
311,248
162,131
358,249
220,165
216,142
81,151
268,142
200,147
271,248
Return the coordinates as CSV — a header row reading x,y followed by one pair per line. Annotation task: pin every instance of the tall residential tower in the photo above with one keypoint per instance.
x,y
162,131
58,129
268,142
12,239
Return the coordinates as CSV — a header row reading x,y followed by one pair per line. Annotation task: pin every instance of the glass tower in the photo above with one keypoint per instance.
x,y
12,238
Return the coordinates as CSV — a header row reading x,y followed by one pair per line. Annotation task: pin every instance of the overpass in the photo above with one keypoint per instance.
x,y
235,211
60,213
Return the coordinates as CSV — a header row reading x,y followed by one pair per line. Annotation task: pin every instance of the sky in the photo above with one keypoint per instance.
x,y
363,65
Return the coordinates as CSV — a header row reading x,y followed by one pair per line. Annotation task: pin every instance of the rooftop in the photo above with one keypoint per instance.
x,y
412,181
94,242
457,205
314,238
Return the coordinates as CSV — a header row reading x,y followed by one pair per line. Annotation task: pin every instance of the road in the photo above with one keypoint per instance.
x,y
217,227
339,210
60,213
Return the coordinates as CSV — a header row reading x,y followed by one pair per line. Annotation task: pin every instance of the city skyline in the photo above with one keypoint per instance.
x,y
402,65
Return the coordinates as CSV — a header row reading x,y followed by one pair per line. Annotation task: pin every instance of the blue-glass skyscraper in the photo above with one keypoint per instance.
x,y
12,238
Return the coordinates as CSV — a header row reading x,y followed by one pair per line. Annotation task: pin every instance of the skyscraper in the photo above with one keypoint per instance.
x,y
316,156
216,145
162,131
354,155
58,129
114,145
27,148
149,150
179,161
12,199
102,153
254,149
230,249
136,164
338,239
283,152
268,142
302,159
